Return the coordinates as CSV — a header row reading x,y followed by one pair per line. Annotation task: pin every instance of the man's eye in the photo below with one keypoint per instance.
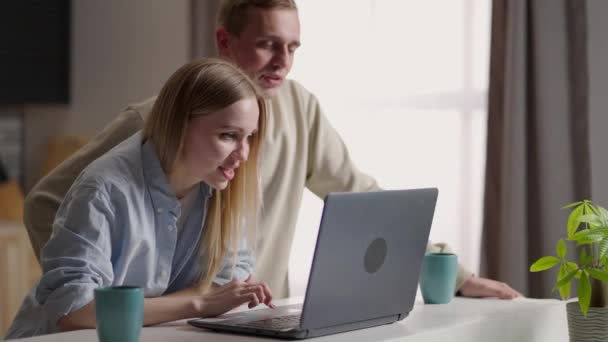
x,y
266,44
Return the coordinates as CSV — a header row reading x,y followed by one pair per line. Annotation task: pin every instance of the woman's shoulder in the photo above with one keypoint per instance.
x,y
120,167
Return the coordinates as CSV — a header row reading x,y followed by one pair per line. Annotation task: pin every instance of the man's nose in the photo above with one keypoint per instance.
x,y
281,57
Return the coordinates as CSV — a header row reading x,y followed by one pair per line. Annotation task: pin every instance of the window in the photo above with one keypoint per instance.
x,y
404,82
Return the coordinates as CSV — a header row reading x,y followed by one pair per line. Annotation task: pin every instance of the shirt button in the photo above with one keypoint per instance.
x,y
159,210
163,273
171,228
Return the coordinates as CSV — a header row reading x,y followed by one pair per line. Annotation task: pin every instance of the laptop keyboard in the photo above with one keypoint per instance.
x,y
275,323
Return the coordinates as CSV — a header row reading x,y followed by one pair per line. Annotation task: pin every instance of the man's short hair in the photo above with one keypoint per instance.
x,y
233,13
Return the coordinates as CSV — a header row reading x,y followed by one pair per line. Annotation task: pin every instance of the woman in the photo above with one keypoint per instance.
x,y
164,210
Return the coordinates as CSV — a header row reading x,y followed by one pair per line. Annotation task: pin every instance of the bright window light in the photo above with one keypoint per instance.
x,y
404,82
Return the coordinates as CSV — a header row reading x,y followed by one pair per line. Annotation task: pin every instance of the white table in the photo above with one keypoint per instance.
x,y
461,320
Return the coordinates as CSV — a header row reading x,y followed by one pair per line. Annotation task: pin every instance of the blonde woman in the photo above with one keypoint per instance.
x,y
172,209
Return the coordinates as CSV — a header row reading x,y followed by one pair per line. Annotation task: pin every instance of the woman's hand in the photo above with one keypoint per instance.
x,y
224,298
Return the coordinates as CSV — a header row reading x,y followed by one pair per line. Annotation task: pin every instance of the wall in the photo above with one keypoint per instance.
x,y
122,52
598,102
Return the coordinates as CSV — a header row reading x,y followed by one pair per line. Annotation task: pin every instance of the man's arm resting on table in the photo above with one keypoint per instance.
x,y
469,285
483,287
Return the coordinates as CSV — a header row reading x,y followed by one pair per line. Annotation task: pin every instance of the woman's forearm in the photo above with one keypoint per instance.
x,y
176,306
169,308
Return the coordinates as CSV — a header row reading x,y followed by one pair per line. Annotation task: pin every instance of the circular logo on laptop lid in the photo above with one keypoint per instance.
x,y
375,255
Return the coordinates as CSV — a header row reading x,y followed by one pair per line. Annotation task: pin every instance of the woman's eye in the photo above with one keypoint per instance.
x,y
228,136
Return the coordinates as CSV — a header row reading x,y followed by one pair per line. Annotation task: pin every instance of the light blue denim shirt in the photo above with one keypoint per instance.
x,y
117,226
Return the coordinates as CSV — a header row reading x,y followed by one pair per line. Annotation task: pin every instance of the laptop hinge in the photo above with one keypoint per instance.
x,y
389,318
332,329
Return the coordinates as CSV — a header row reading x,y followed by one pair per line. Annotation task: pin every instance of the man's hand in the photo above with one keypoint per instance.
x,y
482,287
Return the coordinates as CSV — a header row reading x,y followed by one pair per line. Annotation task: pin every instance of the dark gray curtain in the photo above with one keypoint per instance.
x,y
538,144
203,17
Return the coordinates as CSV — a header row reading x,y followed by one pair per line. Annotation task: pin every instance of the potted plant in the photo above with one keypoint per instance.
x,y
587,226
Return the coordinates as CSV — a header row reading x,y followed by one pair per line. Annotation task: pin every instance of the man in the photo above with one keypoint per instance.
x,y
301,149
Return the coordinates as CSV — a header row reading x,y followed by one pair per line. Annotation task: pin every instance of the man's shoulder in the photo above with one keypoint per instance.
x,y
142,108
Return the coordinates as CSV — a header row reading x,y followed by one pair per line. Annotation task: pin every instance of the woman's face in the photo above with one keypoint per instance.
x,y
216,144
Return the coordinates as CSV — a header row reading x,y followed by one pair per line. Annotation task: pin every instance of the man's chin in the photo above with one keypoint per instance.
x,y
270,88
270,91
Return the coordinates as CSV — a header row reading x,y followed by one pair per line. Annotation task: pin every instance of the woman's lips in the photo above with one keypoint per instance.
x,y
227,173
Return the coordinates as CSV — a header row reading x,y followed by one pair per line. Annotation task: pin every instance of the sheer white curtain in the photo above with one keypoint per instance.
x,y
404,82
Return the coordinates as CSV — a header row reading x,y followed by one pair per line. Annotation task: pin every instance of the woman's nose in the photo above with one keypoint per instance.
x,y
242,151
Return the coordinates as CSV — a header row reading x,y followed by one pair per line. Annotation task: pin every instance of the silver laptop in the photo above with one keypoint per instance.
x,y
364,272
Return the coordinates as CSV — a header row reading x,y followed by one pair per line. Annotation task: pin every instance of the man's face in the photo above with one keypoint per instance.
x,y
266,46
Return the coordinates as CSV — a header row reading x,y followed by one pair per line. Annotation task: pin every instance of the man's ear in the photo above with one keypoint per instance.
x,y
222,41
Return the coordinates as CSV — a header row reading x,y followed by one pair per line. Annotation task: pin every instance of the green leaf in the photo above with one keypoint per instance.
x,y
544,263
592,219
561,248
603,216
598,274
589,236
584,293
566,279
573,222
574,204
591,208
589,240
564,291
602,249
572,266
603,262
584,258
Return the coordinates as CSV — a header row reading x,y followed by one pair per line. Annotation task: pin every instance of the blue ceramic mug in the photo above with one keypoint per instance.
x,y
438,277
119,312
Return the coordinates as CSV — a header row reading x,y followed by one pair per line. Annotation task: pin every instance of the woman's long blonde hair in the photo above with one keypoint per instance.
x,y
200,88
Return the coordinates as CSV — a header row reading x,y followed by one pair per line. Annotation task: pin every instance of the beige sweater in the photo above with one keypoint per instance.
x,y
301,150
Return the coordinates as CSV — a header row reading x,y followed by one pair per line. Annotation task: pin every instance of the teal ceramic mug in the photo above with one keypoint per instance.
x,y
119,312
438,277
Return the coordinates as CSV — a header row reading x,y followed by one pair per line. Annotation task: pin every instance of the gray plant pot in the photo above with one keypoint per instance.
x,y
593,328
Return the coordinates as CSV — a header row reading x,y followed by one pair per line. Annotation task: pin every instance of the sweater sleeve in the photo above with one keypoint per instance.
x,y
329,167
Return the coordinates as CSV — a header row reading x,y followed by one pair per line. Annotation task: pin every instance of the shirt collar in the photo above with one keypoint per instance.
x,y
156,180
